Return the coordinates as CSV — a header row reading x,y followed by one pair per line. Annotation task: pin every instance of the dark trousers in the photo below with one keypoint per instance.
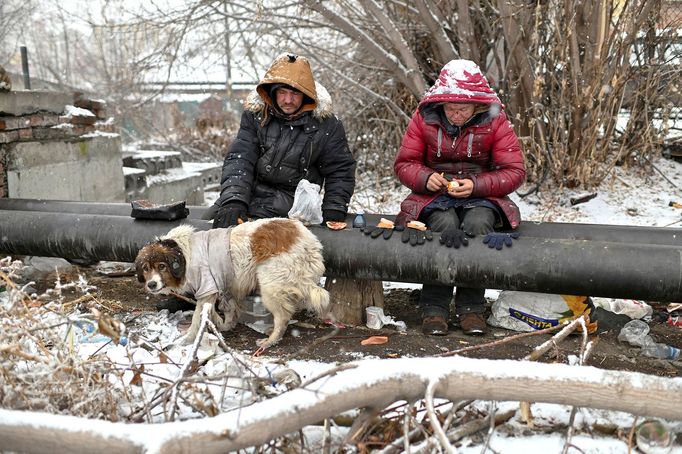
x,y
435,299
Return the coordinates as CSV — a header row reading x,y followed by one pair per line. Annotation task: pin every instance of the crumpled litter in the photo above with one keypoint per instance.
x,y
376,319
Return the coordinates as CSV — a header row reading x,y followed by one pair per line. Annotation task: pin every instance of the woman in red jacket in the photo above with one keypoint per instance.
x,y
461,159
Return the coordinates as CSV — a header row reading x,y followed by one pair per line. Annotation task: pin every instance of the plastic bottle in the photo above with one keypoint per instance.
x,y
661,351
359,221
636,332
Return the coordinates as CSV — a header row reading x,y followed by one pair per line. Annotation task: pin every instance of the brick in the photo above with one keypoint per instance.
x,y
11,123
83,120
100,113
44,119
90,104
9,136
26,133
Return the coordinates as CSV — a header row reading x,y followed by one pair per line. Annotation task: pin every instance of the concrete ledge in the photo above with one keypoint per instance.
x,y
86,170
31,101
154,162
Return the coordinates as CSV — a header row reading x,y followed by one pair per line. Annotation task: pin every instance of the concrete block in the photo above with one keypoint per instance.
x,y
86,170
52,133
152,161
173,185
26,102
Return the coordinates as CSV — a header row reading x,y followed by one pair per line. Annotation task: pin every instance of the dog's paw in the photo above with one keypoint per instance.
x,y
265,343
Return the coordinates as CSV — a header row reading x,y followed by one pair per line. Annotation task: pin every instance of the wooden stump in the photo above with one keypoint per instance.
x,y
350,297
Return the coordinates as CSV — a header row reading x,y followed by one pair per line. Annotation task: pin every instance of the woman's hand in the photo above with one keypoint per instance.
x,y
437,182
463,190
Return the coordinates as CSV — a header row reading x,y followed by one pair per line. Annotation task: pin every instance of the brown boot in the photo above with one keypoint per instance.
x,y
435,325
473,324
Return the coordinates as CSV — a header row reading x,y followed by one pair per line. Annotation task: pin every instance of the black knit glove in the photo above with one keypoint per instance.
x,y
497,240
416,237
229,214
376,232
333,216
454,237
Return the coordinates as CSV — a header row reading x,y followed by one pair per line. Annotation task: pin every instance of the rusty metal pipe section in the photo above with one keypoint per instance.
x,y
557,230
567,266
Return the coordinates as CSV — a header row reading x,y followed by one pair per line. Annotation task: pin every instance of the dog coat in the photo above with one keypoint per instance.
x,y
210,267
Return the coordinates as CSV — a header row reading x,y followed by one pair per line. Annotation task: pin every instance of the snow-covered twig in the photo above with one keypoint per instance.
x,y
504,340
191,360
433,418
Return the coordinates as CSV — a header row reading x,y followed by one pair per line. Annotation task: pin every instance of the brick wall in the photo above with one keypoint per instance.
x,y
3,174
89,116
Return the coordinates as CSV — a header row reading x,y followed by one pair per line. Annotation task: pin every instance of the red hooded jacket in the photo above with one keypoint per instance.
x,y
486,150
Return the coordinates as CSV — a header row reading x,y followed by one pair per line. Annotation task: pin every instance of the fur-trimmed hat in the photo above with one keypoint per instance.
x,y
291,70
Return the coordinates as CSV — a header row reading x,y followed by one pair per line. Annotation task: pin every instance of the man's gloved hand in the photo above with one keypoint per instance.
x,y
497,240
454,237
416,237
333,216
376,232
229,214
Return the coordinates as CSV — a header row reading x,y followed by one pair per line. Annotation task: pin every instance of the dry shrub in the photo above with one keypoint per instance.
x,y
599,81
208,140
39,370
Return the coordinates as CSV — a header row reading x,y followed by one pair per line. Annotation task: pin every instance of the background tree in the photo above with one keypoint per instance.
x,y
566,70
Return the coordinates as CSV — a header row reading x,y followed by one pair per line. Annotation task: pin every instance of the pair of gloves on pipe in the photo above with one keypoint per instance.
x,y
450,237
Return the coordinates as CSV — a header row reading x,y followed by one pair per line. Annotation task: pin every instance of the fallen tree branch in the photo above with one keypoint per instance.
x,y
374,383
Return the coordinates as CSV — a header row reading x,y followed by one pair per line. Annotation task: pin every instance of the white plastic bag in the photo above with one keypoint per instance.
x,y
634,309
307,206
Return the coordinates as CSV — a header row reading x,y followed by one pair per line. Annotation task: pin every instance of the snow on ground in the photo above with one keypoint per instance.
x,y
627,198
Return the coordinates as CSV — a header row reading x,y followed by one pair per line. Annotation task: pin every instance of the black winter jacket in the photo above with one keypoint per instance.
x,y
265,163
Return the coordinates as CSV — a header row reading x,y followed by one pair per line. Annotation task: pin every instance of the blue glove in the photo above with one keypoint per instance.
x,y
497,240
454,237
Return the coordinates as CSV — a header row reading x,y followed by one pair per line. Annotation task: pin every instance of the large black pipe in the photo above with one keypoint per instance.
x,y
579,267
557,230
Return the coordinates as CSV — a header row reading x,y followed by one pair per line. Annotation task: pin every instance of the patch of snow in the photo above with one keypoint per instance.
x,y
71,111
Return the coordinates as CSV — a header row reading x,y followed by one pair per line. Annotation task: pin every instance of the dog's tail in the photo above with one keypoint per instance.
x,y
318,299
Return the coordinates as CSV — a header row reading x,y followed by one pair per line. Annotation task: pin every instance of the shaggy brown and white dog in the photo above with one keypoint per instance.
x,y
280,257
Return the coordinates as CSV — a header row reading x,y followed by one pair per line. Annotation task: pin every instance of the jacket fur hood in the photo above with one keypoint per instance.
x,y
324,109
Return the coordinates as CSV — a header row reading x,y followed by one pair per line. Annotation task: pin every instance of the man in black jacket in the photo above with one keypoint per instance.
x,y
288,132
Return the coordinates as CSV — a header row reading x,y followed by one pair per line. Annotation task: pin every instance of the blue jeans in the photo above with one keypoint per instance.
x,y
435,299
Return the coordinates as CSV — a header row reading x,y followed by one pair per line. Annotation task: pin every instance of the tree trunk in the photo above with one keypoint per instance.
x,y
350,297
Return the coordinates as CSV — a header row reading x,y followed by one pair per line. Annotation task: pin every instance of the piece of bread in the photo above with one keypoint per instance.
x,y
416,225
385,223
335,225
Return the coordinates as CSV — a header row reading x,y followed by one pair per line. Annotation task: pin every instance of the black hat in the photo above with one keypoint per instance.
x,y
274,87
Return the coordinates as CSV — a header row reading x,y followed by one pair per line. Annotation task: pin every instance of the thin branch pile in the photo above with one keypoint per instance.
x,y
388,406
